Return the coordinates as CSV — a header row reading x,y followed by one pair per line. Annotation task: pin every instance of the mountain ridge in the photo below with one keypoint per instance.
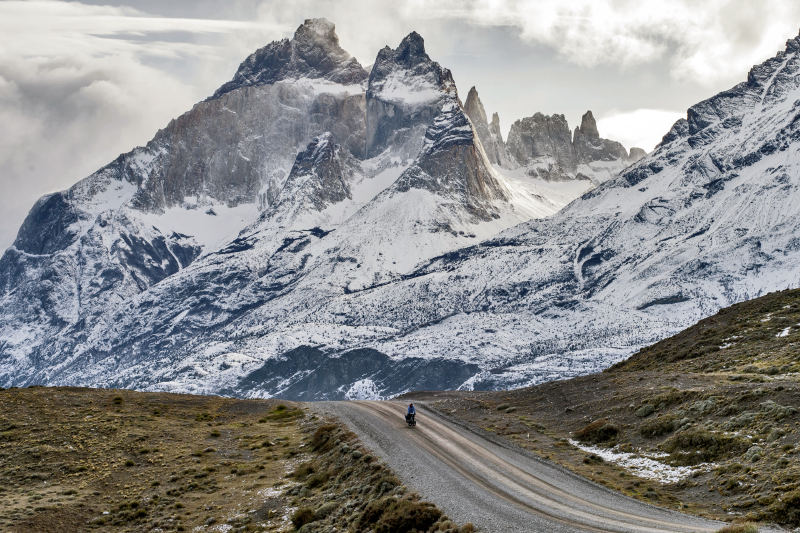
x,y
424,256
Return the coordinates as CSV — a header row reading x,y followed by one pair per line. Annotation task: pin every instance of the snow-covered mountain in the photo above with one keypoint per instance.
x,y
373,244
229,194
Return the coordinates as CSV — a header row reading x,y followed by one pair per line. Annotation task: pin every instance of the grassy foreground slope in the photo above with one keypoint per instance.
x,y
705,422
74,460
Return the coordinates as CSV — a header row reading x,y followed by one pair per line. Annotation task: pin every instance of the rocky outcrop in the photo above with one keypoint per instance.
x,y
314,53
543,144
322,175
636,154
489,134
405,92
451,165
589,147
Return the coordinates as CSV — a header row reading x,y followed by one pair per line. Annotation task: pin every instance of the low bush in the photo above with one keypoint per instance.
x,y
696,446
787,509
598,431
317,480
389,515
747,527
657,427
321,440
302,516
303,471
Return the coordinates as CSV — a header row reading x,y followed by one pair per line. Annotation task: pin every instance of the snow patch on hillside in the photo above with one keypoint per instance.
x,y
210,224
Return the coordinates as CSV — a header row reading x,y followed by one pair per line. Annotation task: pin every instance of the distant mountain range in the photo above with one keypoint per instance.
x,y
314,230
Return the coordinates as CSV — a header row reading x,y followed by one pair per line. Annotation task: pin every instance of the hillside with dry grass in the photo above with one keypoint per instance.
x,y
705,422
75,460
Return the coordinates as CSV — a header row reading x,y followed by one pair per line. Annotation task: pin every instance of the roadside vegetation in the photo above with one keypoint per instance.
x,y
109,460
719,404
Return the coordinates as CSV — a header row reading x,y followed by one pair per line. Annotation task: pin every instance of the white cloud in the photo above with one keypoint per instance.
x,y
642,128
702,40
81,84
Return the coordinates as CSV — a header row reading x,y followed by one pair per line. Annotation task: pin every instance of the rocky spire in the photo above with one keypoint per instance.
x,y
588,126
590,147
313,52
636,154
405,92
489,134
451,166
474,108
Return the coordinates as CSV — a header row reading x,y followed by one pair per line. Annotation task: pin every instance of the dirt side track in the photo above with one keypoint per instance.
x,y
495,487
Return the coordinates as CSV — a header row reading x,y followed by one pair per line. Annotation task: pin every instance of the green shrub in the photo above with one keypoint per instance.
x,y
322,439
389,515
303,471
283,413
598,431
317,480
696,446
302,516
503,407
118,400
325,511
787,509
656,427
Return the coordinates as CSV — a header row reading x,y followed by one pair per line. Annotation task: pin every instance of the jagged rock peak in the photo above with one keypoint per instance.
x,y
313,53
320,174
495,125
411,61
489,134
405,92
451,165
793,45
474,108
588,126
319,150
450,128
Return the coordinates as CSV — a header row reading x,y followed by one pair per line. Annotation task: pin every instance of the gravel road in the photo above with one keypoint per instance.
x,y
497,486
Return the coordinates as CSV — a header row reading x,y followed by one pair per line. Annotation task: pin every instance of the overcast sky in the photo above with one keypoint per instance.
x,y
81,83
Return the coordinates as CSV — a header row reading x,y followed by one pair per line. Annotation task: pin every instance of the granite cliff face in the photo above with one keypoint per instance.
x,y
542,148
543,144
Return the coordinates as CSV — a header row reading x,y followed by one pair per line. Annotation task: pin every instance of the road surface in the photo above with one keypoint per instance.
x,y
497,486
